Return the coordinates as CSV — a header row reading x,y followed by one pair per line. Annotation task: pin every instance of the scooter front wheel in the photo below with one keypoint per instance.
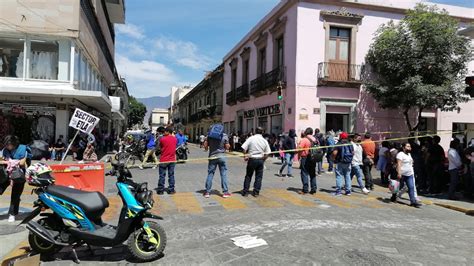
x,y
38,244
141,248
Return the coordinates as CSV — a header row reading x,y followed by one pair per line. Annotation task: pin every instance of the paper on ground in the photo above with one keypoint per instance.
x,y
248,241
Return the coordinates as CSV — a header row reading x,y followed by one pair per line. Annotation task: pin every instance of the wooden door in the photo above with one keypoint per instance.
x,y
339,54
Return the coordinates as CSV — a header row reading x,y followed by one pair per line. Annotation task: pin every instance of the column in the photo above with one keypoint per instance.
x,y
62,123
64,59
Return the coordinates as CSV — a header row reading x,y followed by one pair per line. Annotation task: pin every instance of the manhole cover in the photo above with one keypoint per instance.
x,y
8,229
355,257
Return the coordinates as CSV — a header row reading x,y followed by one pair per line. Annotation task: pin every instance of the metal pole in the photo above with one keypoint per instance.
x,y
69,146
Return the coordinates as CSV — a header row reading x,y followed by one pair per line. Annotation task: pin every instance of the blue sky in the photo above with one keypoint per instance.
x,y
174,42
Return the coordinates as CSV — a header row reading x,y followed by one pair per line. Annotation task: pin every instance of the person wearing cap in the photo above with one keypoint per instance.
x,y
256,151
342,155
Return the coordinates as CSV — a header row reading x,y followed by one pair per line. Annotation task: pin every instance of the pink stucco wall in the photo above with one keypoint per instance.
x,y
304,49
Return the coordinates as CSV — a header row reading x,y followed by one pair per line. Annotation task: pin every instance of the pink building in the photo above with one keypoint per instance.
x,y
315,51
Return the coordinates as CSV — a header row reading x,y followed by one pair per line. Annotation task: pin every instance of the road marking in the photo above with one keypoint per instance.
x,y
186,202
367,201
161,205
266,202
289,197
333,200
20,250
231,203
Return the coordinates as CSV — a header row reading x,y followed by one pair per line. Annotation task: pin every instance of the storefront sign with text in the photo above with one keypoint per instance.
x,y
263,111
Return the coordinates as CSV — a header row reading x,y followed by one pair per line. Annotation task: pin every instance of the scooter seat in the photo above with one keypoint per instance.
x,y
92,203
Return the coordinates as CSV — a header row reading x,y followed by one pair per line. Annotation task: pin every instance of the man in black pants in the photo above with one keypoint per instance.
x,y
435,166
256,150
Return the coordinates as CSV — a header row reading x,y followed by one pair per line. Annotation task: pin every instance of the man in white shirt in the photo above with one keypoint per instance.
x,y
455,165
406,173
256,151
357,163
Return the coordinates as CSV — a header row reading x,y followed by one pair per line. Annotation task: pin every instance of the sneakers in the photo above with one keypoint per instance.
x,y
226,195
207,195
244,193
280,174
312,192
348,193
141,167
416,205
171,192
365,191
154,167
11,218
337,194
255,194
290,176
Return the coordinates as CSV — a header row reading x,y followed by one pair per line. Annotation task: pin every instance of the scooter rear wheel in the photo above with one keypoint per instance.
x,y
141,249
38,244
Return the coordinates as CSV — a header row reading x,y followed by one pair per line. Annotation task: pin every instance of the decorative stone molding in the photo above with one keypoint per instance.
x,y
279,27
233,62
342,12
245,54
261,41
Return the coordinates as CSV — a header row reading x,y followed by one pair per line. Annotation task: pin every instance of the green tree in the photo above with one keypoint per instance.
x,y
136,112
418,63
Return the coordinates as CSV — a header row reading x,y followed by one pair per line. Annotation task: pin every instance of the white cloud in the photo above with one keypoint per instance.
x,y
183,53
131,30
133,48
144,77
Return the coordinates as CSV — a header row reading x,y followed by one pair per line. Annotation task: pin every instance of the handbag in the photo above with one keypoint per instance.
x,y
18,175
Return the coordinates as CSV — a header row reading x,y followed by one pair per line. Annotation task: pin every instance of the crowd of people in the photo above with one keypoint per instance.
x,y
417,166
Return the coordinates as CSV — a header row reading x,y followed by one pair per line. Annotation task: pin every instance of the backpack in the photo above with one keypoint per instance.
x,y
345,154
316,153
216,131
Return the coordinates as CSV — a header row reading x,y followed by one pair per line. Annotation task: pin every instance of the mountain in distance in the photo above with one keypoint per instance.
x,y
155,102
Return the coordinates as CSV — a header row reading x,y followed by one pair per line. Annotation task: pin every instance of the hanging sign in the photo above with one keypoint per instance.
x,y
83,121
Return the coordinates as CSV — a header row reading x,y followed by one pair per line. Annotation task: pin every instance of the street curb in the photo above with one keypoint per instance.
x,y
17,253
456,208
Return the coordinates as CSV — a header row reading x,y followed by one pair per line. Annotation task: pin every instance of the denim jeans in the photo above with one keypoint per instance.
x,y
367,169
288,161
308,171
357,171
409,181
254,165
454,181
220,162
330,162
343,171
319,167
164,167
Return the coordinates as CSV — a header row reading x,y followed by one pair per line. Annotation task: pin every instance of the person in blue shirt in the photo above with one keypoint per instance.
x,y
182,140
150,149
13,150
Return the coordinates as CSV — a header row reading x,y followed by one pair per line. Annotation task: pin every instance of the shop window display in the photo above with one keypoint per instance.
x,y
11,57
44,60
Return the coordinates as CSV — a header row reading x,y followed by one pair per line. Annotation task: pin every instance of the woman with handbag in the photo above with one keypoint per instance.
x,y
15,158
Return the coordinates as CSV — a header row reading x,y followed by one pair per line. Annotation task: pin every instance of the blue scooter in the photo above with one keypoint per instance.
x,y
76,220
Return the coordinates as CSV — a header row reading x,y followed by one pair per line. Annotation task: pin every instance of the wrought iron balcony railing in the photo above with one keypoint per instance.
x,y
339,74
230,98
268,81
242,93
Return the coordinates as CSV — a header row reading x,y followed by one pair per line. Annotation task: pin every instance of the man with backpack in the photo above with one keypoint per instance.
x,y
321,142
342,156
217,143
307,150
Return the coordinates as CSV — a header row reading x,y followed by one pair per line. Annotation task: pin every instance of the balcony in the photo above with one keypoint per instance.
x,y
230,98
267,82
339,75
242,93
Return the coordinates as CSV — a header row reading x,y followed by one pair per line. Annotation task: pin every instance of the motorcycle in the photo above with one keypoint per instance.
x,y
75,218
182,153
134,151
